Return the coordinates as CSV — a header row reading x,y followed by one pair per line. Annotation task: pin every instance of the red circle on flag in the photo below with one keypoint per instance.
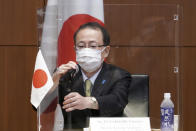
x,y
39,78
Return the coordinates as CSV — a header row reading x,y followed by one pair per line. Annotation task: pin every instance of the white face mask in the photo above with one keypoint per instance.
x,y
89,59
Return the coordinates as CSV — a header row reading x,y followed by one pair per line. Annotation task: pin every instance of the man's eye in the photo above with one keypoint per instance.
x,y
81,46
93,46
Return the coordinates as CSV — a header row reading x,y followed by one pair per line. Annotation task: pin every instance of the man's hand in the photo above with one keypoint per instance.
x,y
62,69
75,101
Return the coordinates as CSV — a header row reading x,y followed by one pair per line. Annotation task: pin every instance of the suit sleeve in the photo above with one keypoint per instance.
x,y
115,95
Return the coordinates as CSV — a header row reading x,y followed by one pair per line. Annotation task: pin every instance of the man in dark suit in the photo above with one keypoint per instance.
x,y
98,88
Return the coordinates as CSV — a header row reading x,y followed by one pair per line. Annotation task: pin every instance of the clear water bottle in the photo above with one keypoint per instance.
x,y
167,113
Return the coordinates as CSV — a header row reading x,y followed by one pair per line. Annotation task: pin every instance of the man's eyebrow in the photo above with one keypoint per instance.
x,y
80,42
92,41
83,42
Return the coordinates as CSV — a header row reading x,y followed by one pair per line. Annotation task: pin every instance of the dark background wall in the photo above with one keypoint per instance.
x,y
155,56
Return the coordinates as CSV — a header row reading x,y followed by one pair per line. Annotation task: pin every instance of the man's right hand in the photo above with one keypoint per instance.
x,y
61,70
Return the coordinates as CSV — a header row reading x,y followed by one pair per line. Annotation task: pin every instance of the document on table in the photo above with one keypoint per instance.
x,y
120,124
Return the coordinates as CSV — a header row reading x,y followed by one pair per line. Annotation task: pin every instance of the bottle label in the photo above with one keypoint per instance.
x,y
167,118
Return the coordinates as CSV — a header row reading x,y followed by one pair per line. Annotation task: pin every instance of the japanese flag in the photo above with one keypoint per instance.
x,y
42,81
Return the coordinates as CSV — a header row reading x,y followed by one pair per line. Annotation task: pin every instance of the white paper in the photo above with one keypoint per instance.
x,y
86,129
120,124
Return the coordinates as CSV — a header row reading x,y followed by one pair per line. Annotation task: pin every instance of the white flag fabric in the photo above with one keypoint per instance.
x,y
42,81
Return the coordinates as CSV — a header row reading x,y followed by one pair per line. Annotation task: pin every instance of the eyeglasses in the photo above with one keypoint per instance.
x,y
91,45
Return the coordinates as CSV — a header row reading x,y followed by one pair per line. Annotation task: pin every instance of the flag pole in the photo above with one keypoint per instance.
x,y
39,123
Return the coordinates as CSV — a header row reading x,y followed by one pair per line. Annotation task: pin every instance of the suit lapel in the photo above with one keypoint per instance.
x,y
101,81
78,84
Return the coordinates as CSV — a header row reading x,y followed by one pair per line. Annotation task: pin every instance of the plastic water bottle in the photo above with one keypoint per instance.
x,y
167,113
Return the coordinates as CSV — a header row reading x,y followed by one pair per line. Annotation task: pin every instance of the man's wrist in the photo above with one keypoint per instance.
x,y
93,103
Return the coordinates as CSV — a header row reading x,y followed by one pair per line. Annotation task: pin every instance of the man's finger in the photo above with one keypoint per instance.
x,y
70,105
70,95
70,100
69,109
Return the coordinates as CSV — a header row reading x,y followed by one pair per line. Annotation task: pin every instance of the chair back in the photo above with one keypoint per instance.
x,y
138,98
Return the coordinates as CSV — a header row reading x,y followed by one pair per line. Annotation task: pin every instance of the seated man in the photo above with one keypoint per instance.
x,y
98,89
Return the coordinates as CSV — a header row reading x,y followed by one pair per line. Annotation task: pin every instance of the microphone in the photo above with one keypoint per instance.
x,y
73,72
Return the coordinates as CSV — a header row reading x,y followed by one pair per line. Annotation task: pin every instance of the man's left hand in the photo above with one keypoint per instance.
x,y
74,101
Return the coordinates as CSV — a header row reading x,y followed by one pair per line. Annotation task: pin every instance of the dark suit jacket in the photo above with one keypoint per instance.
x,y
110,89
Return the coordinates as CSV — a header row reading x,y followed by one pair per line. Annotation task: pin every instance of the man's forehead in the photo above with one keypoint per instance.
x,y
88,32
89,28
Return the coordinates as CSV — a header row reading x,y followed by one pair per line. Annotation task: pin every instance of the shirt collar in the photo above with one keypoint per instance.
x,y
92,78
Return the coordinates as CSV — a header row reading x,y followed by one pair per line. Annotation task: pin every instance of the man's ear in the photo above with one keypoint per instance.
x,y
106,51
